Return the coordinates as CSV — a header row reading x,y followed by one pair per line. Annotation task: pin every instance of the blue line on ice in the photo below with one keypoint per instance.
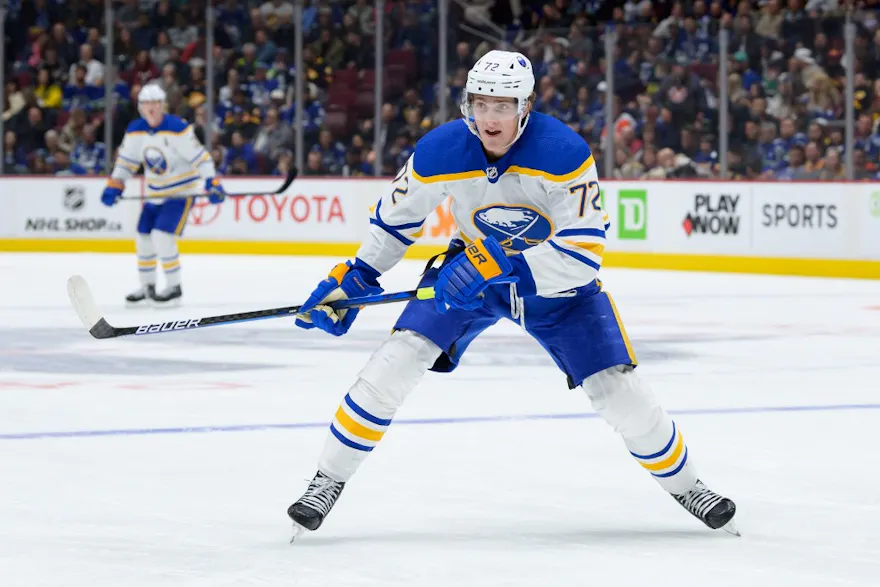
x,y
422,421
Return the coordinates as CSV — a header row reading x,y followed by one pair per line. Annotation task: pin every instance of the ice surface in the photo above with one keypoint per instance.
x,y
171,459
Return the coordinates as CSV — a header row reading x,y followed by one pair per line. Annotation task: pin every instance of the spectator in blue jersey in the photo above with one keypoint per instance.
x,y
88,157
78,94
707,157
14,156
242,151
314,114
332,152
260,88
772,153
865,138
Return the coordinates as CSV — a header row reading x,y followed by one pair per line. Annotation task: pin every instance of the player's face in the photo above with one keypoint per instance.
x,y
152,111
496,120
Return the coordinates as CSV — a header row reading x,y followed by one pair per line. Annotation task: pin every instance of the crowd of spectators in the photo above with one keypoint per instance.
x,y
786,73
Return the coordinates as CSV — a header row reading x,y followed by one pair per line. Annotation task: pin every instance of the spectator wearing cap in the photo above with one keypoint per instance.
x,y
273,136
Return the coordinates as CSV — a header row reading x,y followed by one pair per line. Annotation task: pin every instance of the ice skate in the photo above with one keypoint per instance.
x,y
141,296
714,510
171,297
309,511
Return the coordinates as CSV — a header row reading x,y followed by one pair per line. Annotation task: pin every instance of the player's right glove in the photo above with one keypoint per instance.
x,y
112,192
462,280
346,280
215,191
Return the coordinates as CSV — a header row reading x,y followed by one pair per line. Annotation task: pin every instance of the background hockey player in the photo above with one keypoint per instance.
x,y
175,162
526,202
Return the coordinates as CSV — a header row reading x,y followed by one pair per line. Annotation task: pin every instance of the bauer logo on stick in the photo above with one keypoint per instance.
x,y
166,326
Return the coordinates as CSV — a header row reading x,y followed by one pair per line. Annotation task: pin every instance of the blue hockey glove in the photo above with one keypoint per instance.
x,y
462,280
215,191
346,280
112,192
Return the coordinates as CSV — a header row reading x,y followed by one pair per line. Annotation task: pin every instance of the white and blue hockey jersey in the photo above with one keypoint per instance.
x,y
174,159
540,200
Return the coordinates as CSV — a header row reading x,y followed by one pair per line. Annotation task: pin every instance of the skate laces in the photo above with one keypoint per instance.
x,y
321,494
699,500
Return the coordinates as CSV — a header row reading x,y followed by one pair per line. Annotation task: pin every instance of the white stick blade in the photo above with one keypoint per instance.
x,y
83,301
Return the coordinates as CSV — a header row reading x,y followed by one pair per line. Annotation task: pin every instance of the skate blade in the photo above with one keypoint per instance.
x,y
297,532
731,528
136,305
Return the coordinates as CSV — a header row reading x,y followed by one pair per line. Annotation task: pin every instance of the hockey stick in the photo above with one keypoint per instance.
x,y
90,315
289,180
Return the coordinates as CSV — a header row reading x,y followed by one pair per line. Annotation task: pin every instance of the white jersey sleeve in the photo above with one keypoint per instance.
x,y
573,255
398,218
189,147
128,159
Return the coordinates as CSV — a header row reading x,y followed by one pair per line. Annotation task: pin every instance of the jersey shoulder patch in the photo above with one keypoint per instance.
x,y
447,154
551,150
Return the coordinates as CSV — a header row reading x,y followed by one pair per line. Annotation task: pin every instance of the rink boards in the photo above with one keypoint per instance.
x,y
796,228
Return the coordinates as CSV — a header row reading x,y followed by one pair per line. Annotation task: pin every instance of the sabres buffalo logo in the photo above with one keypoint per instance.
x,y
155,161
516,228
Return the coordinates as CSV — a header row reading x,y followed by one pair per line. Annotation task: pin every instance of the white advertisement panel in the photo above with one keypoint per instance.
x,y
311,210
64,207
805,220
868,212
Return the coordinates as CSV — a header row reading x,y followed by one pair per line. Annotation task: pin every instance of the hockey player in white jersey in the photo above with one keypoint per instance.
x,y
174,162
525,198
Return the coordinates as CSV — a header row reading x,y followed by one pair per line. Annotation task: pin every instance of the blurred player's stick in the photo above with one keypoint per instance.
x,y
289,180
88,311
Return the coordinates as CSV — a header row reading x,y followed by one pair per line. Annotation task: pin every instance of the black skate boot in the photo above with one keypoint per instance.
x,y
144,294
714,510
309,511
170,297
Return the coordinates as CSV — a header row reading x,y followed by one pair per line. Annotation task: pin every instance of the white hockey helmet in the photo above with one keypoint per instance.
x,y
505,74
151,93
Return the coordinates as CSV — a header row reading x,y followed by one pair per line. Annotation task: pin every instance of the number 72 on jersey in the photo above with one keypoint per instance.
x,y
588,192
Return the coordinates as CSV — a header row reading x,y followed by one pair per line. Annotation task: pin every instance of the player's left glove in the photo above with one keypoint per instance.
x,y
346,280
112,192
462,280
215,191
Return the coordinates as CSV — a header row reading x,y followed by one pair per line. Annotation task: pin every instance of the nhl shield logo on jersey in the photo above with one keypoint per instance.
x,y
492,172
516,228
155,161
